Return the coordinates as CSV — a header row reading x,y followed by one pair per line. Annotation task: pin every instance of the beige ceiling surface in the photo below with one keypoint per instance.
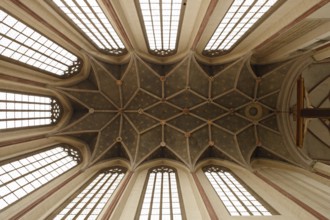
x,y
187,111
188,107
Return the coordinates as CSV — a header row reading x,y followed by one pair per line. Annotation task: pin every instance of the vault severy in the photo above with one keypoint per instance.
x,y
317,95
141,111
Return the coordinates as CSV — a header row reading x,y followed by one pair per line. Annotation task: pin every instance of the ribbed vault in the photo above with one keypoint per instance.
x,y
186,111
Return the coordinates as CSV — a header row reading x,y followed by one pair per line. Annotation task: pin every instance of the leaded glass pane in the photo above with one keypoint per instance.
x,y
21,43
20,177
161,199
22,110
161,23
90,201
89,18
238,199
239,19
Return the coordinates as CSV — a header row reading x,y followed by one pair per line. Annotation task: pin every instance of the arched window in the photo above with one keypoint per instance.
x,y
21,176
162,197
88,17
240,19
161,22
22,110
23,44
237,197
89,202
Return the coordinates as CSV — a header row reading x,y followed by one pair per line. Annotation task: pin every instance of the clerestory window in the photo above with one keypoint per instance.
x,y
23,44
241,17
161,22
89,18
90,201
237,197
19,110
22,175
161,196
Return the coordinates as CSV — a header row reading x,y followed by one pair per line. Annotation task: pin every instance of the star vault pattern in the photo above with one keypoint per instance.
x,y
186,111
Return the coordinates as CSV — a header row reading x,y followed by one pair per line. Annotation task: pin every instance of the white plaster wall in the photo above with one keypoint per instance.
x,y
306,186
285,207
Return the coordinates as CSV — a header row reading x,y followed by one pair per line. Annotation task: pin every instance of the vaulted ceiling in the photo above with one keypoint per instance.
x,y
141,111
189,106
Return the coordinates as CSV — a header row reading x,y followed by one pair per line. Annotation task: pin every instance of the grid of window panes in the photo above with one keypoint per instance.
x,y
22,176
161,19
21,43
89,203
236,198
22,110
240,17
161,200
89,17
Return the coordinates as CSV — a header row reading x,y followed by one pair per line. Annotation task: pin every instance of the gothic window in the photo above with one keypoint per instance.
x,y
237,197
21,110
88,17
21,176
161,21
89,202
162,198
21,43
241,17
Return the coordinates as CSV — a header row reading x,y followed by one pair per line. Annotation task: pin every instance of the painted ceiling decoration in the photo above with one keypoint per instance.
x,y
186,113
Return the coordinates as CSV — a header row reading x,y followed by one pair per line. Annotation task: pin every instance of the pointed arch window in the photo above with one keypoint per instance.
x,y
88,17
162,197
161,23
90,201
240,19
27,46
238,198
22,110
21,176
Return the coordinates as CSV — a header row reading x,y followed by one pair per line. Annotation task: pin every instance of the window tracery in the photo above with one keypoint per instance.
x,y
162,198
21,176
22,110
89,18
237,22
89,202
237,197
24,45
161,21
